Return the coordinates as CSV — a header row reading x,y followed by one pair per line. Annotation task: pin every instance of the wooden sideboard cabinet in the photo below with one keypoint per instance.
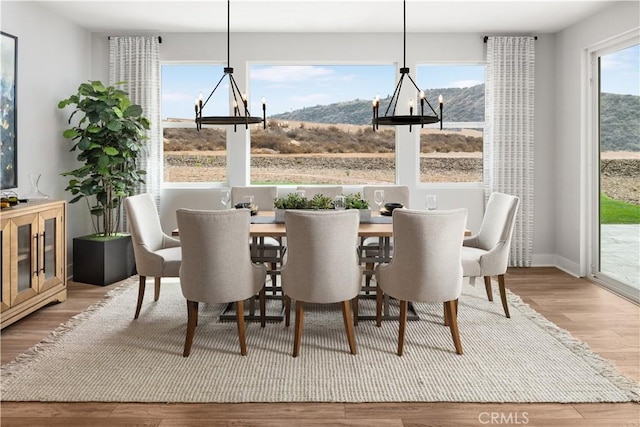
x,y
34,258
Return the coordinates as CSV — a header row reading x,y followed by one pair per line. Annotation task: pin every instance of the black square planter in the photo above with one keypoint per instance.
x,y
99,262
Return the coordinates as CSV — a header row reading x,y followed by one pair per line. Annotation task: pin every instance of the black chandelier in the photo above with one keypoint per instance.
x,y
241,114
419,118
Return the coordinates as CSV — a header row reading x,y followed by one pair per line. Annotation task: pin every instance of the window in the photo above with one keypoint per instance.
x,y
453,154
319,125
191,155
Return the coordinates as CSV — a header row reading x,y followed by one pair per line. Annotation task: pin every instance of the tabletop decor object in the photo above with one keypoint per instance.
x,y
320,202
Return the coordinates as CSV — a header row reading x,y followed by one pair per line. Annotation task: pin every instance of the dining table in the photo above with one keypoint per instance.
x,y
264,227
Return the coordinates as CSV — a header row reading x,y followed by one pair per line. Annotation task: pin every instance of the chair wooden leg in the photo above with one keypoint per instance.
x,y
240,322
297,338
487,286
356,312
453,325
503,295
192,320
379,299
141,286
287,311
156,294
446,313
346,314
263,307
403,325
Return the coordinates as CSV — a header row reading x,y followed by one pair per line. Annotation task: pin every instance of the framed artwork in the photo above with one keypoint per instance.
x,y
8,123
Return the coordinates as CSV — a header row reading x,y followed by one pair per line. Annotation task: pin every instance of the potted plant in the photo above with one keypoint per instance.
x,y
108,136
319,201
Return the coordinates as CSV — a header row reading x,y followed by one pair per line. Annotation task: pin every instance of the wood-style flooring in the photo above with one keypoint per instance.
x,y
608,323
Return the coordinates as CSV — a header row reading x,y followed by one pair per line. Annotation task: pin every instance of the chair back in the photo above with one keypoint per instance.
x,y
426,264
392,194
322,260
263,196
498,221
144,223
326,190
216,260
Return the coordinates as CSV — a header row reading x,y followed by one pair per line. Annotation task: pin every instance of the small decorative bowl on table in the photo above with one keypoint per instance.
x,y
252,207
388,208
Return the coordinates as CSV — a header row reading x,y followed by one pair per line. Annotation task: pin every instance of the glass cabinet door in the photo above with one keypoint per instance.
x,y
50,238
25,247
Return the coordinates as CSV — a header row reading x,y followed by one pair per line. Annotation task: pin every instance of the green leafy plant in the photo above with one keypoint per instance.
x,y
319,201
291,201
355,201
108,135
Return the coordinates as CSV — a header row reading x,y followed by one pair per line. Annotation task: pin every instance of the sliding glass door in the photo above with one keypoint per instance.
x,y
616,189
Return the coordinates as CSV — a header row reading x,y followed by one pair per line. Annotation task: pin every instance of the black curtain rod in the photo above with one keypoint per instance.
x,y
487,38
159,39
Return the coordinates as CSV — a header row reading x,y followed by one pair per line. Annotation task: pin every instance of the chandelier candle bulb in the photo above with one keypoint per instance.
x,y
373,122
441,102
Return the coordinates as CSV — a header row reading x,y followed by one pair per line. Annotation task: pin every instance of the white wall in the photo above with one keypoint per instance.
x,y
570,150
53,59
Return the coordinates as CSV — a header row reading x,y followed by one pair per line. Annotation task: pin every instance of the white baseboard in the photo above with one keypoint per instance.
x,y
543,260
553,260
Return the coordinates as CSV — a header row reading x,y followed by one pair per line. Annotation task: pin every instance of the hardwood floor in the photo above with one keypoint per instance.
x,y
609,324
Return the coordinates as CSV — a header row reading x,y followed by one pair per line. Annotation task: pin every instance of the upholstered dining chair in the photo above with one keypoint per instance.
x,y
212,272
392,194
326,190
426,265
263,196
486,254
157,254
322,264
271,248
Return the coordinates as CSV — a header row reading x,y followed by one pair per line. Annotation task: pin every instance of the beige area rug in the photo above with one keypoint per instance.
x,y
104,355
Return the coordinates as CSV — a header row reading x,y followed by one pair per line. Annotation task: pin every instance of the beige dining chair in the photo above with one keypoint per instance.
x,y
486,254
157,254
269,248
392,194
216,265
322,264
426,265
331,191
263,196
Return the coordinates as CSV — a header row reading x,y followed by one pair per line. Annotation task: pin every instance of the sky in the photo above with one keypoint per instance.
x,y
620,71
286,87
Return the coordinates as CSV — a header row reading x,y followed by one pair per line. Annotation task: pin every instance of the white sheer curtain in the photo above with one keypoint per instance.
x,y
136,61
508,142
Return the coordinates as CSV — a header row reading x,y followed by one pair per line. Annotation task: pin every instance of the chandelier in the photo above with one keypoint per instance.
x,y
241,114
423,116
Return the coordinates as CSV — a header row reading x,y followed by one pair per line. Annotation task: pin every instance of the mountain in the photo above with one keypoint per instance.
x,y
620,113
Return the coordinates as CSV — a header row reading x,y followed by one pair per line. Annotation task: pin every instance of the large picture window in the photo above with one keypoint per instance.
x,y
191,155
453,154
319,125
